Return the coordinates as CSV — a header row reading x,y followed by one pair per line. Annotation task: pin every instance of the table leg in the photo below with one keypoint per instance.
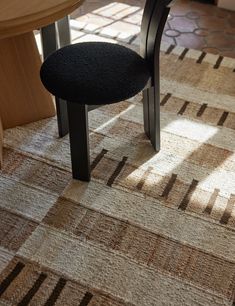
x,y
23,98
1,142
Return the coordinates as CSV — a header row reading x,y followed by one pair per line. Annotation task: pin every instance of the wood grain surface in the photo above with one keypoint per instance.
x,y
23,98
1,142
17,17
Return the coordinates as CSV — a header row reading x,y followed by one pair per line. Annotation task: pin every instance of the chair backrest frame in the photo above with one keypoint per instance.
x,y
152,26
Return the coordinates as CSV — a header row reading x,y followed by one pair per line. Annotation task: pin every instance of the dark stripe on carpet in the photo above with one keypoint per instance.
x,y
182,55
184,203
56,292
86,299
183,108
201,58
143,178
201,110
132,39
222,119
116,172
9,279
98,159
169,186
228,210
211,202
218,62
30,294
170,49
165,99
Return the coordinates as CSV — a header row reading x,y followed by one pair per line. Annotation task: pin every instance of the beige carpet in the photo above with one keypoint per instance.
x,y
149,229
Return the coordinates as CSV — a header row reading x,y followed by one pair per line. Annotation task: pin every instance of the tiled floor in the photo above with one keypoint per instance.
x,y
202,26
191,24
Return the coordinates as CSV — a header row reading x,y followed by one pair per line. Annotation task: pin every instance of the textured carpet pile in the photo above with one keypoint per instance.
x,y
149,229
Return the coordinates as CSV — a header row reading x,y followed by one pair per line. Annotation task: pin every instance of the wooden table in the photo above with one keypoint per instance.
x,y
23,99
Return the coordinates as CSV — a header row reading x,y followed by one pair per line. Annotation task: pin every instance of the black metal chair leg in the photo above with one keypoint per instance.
x,y
62,117
79,141
64,34
55,36
154,118
146,112
64,39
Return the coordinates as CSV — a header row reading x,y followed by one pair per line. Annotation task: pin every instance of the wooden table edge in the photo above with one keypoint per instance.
x,y
27,24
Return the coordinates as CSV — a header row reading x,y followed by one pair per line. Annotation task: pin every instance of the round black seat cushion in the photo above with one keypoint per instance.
x,y
94,73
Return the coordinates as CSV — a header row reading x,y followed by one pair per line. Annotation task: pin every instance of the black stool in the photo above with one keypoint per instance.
x,y
91,74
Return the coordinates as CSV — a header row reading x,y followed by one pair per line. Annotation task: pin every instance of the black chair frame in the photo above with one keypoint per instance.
x,y
153,22
73,117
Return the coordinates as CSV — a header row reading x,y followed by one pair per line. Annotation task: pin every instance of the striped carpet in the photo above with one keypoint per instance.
x,y
149,229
